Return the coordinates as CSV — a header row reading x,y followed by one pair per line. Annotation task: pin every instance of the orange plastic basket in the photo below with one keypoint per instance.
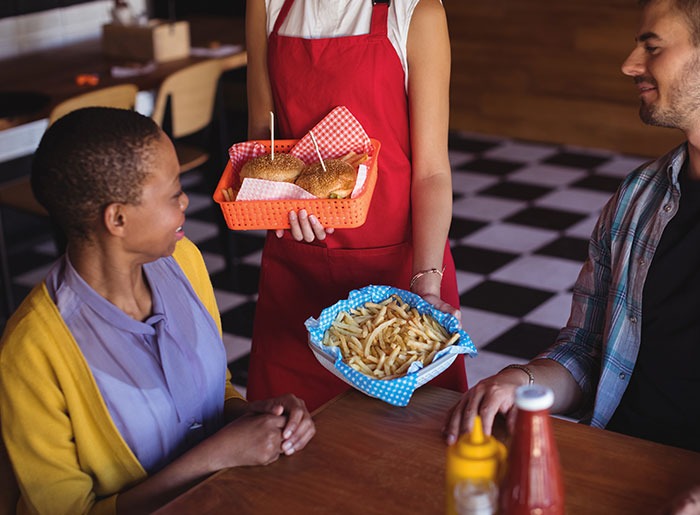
x,y
274,214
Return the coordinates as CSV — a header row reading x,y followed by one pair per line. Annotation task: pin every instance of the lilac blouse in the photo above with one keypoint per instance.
x,y
162,379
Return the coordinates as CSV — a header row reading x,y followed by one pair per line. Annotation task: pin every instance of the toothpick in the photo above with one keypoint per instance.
x,y
318,152
272,135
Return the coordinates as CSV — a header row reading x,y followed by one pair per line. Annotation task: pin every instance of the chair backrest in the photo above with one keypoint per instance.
x,y
192,94
121,96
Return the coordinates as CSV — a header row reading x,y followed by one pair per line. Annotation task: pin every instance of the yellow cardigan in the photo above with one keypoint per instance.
x,y
67,454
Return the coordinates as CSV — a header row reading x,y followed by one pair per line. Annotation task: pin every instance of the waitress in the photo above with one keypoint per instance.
x,y
306,57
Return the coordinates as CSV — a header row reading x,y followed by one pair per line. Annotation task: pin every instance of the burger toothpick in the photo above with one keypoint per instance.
x,y
318,152
272,135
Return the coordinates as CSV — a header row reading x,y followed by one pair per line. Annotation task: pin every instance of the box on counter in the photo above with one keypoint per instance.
x,y
158,41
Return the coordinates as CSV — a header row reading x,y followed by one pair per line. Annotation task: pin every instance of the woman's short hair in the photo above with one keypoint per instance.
x,y
91,158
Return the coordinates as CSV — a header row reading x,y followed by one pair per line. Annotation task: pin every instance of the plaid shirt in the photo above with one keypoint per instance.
x,y
601,340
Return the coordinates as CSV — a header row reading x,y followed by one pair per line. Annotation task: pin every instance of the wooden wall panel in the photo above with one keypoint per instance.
x,y
549,70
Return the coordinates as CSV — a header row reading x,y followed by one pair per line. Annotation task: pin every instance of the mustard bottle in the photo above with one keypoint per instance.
x,y
474,468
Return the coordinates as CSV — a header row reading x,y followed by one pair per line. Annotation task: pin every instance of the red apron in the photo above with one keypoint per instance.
x,y
309,78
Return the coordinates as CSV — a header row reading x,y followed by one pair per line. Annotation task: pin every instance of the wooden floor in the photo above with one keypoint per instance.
x,y
549,70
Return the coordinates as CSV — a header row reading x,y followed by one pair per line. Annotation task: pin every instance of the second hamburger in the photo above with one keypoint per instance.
x,y
336,181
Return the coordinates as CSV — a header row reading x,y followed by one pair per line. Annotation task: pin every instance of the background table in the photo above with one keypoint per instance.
x,y
369,457
53,72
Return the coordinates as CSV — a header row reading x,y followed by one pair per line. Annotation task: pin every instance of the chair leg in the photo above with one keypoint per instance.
x,y
9,299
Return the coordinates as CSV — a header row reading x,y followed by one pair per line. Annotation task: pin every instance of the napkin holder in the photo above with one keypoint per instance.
x,y
159,41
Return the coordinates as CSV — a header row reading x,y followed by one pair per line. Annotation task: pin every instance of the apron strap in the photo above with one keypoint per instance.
x,y
380,8
282,15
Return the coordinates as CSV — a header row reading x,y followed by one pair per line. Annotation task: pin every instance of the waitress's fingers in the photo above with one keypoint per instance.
x,y
294,226
311,228
319,231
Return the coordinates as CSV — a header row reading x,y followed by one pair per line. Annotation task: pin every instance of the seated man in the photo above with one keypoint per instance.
x,y
628,357
114,390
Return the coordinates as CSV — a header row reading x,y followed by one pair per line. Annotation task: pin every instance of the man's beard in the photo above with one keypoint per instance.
x,y
683,104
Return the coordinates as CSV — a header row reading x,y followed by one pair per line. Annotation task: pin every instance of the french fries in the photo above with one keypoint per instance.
x,y
382,340
228,194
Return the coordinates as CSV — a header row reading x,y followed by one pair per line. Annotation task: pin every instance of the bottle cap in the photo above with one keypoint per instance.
x,y
534,397
475,445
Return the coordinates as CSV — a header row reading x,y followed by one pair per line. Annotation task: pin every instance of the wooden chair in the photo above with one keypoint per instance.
x,y
17,194
189,95
189,107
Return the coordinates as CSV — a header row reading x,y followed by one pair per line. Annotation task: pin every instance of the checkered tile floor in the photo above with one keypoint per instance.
x,y
522,216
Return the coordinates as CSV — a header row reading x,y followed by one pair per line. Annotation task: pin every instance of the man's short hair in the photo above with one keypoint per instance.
x,y
690,10
91,158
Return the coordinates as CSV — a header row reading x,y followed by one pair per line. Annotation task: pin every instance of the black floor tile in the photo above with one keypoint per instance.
x,y
566,247
523,341
480,261
239,370
239,320
462,227
598,183
506,299
576,160
240,278
490,166
545,218
468,144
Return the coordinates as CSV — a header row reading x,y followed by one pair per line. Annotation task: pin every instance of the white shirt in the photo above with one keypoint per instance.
x,y
313,19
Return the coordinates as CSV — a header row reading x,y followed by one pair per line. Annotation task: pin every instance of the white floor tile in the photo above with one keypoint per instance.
x,y
620,166
471,182
227,300
541,272
33,277
197,230
554,313
584,228
547,175
467,280
484,326
214,262
458,158
510,238
521,152
574,199
236,346
198,202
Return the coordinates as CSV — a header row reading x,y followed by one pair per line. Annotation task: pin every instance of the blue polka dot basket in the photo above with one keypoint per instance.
x,y
396,391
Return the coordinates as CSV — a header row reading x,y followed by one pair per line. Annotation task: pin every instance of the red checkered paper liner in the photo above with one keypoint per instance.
x,y
337,134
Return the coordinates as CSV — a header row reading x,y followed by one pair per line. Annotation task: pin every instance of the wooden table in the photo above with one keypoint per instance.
x,y
369,457
53,72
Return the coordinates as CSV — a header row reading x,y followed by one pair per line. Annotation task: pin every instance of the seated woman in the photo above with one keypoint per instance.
x,y
114,390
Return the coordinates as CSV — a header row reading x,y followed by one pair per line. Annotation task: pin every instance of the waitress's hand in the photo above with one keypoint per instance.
x,y
305,227
443,306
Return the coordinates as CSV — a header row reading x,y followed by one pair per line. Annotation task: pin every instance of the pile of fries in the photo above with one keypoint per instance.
x,y
382,340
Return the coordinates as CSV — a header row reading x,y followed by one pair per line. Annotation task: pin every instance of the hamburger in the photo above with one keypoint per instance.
x,y
283,168
336,181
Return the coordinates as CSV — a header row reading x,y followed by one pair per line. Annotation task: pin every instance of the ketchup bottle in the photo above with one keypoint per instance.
x,y
533,481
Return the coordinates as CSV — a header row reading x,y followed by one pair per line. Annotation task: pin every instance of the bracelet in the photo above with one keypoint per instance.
x,y
530,375
421,273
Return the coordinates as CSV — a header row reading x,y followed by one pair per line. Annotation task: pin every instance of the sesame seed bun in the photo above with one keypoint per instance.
x,y
283,168
337,181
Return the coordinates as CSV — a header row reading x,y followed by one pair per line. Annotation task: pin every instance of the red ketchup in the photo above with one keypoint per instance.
x,y
533,483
